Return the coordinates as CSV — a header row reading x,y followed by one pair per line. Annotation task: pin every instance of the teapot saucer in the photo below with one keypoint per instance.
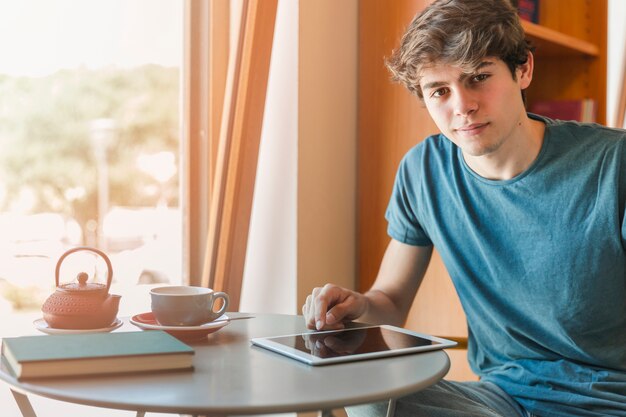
x,y
41,325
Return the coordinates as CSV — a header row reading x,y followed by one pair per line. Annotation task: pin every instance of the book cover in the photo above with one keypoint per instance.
x,y
95,353
528,10
583,110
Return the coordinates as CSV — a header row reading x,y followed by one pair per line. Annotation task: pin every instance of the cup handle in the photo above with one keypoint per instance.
x,y
224,298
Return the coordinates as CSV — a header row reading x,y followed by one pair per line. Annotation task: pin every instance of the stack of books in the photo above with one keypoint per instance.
x,y
583,110
527,9
94,353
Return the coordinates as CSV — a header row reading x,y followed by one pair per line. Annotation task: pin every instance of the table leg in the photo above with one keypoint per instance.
x,y
27,410
24,404
391,408
326,413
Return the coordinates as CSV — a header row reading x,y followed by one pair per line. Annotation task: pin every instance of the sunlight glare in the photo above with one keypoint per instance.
x,y
39,37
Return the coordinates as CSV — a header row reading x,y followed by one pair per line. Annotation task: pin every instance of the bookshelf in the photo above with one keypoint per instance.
x,y
571,42
554,43
570,64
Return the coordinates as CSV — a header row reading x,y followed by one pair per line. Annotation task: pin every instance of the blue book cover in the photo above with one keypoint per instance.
x,y
94,353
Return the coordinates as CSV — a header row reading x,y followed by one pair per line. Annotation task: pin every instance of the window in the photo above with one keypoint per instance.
x,y
89,145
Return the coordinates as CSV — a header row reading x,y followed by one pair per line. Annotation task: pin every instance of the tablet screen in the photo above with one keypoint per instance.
x,y
351,344
352,341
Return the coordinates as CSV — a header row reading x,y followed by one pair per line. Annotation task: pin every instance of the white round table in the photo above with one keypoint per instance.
x,y
232,377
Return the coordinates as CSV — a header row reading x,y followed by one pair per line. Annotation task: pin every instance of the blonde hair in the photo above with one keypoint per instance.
x,y
461,33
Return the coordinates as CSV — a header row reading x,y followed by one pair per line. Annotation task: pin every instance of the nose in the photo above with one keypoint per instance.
x,y
465,103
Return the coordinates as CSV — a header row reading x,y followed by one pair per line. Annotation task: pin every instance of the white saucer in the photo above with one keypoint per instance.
x,y
146,321
42,326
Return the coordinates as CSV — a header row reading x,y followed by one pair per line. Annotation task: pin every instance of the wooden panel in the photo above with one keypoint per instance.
x,y
620,111
219,35
196,151
571,17
327,144
598,69
206,61
235,175
550,42
429,313
222,157
459,367
551,82
571,68
391,121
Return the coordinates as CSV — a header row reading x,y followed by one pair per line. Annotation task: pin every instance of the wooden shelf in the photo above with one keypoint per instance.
x,y
550,42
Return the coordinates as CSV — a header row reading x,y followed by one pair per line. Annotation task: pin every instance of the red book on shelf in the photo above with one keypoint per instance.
x,y
528,10
583,110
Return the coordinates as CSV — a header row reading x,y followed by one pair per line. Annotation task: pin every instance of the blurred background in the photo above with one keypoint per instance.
x,y
89,143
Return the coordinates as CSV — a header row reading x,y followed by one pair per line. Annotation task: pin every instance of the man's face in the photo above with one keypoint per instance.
x,y
478,111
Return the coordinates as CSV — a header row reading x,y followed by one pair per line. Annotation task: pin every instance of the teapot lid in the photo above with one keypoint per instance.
x,y
83,286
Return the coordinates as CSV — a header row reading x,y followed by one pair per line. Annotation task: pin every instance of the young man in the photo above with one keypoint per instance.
x,y
528,216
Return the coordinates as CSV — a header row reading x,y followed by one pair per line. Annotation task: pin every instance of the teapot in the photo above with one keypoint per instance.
x,y
81,305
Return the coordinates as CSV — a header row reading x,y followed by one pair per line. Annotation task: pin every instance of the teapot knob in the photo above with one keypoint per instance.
x,y
82,278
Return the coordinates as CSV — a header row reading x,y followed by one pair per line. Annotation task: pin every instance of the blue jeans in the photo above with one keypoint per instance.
x,y
448,399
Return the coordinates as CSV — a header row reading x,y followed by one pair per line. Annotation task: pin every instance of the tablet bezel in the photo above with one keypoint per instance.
x,y
271,343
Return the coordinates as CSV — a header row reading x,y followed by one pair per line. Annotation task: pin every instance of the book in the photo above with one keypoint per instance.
x,y
583,110
94,353
528,10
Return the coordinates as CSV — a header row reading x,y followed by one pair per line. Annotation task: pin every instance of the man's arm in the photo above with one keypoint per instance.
x,y
388,301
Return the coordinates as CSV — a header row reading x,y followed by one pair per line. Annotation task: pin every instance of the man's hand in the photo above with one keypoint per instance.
x,y
325,345
388,301
330,307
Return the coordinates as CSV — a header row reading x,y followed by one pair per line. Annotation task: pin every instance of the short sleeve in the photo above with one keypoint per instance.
x,y
402,211
622,190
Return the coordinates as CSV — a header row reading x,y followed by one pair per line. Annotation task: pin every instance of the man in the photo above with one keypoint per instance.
x,y
528,216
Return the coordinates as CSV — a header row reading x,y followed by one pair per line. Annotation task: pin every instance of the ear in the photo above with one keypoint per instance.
x,y
525,72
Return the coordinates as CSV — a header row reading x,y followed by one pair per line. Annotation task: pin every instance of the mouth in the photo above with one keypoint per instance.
x,y
472,128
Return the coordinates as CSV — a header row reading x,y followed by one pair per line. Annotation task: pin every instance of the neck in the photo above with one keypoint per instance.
x,y
514,156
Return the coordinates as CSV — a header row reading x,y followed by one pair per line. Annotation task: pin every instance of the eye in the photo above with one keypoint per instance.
x,y
440,92
478,78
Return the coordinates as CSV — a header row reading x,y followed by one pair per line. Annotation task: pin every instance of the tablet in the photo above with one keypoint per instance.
x,y
352,344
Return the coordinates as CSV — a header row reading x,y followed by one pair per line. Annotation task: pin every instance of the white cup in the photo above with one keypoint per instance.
x,y
186,306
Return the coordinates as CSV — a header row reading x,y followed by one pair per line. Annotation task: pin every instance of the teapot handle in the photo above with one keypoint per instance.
x,y
87,248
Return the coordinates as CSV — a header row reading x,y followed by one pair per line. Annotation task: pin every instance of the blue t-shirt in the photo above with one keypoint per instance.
x,y
538,261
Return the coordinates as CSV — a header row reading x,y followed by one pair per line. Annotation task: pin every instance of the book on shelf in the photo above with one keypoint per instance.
x,y
94,353
583,110
527,9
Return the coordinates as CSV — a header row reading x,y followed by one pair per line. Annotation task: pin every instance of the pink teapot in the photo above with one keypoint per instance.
x,y
81,305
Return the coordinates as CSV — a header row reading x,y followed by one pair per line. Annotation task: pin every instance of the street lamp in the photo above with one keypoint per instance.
x,y
101,134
